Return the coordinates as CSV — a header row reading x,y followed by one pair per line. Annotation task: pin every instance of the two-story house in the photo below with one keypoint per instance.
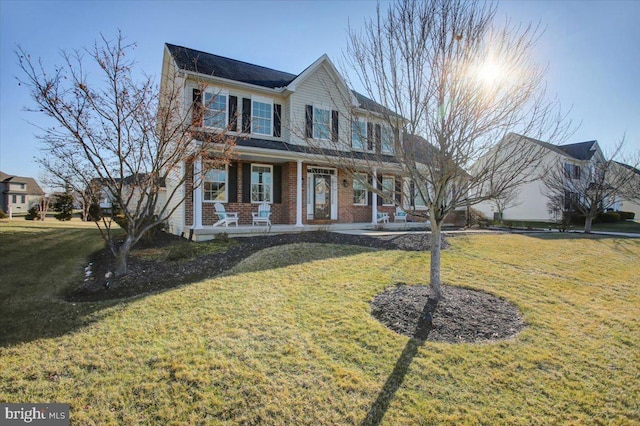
x,y
18,193
275,116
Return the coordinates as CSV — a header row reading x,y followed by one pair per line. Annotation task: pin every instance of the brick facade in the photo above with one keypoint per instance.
x,y
285,211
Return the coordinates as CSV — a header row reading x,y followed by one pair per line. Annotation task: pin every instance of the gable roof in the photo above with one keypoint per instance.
x,y
578,151
581,150
31,184
230,69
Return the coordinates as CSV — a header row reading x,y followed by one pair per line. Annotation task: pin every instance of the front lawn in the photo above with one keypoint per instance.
x,y
286,337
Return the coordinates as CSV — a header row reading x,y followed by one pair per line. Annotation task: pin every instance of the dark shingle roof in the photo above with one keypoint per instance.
x,y
579,151
231,69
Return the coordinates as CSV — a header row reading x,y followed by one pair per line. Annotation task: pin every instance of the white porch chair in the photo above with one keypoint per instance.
x,y
263,216
400,215
226,218
382,217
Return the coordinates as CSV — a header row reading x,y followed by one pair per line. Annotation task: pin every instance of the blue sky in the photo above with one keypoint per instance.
x,y
592,47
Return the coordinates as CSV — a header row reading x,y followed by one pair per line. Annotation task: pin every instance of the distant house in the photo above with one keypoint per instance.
x,y
18,193
274,115
531,204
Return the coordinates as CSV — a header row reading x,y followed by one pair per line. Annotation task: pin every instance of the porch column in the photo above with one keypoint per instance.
x,y
197,194
374,199
299,195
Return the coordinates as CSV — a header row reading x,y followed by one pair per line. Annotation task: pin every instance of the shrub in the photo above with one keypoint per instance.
x,y
607,217
627,215
3,215
476,217
32,213
95,213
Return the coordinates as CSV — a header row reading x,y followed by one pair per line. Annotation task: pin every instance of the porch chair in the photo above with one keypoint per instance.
x,y
263,216
382,217
226,218
400,215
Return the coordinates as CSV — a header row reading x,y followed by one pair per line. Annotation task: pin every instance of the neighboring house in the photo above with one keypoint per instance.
x,y
131,191
273,114
18,193
531,203
631,205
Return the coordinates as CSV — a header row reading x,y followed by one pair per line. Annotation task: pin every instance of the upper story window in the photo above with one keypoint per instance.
x,y
386,140
261,183
571,171
359,135
359,190
215,185
215,110
261,117
321,123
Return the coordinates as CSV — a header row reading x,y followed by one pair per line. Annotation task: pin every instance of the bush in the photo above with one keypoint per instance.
x,y
32,214
627,215
476,217
3,215
95,213
608,217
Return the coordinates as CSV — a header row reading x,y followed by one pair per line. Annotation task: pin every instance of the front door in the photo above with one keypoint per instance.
x,y
322,197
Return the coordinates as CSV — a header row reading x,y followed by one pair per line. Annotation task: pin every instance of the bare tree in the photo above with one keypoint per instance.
x,y
505,200
448,86
590,187
116,128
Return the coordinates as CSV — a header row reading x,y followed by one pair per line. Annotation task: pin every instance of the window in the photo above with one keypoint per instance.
x,y
388,190
321,123
14,199
23,199
418,199
359,190
359,135
571,171
215,185
387,141
576,172
261,118
261,188
215,110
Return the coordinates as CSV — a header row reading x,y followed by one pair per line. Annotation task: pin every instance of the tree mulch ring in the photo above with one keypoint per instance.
x,y
145,276
463,315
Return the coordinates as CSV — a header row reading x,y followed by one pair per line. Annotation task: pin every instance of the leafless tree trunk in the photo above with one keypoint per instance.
x,y
509,198
452,85
116,128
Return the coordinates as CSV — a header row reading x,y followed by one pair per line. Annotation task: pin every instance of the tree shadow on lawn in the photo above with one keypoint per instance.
x,y
57,315
396,378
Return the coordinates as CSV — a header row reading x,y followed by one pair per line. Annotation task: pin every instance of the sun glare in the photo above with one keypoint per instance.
x,y
490,72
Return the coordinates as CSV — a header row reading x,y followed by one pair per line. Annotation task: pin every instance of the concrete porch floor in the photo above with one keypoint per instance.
x,y
209,232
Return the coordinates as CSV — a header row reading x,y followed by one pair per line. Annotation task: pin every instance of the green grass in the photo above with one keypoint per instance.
x,y
286,337
626,226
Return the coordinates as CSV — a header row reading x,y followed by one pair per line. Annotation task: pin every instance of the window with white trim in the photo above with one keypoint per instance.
x,y
360,190
261,183
215,185
418,199
321,123
261,118
386,140
359,135
215,110
388,190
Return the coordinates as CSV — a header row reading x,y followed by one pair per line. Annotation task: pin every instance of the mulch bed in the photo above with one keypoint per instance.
x,y
462,315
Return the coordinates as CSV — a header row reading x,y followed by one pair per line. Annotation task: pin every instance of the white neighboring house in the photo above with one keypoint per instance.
x,y
531,203
631,205
106,199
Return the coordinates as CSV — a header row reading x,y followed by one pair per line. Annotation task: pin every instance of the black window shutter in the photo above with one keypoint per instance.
x,y
233,113
246,182
246,115
277,110
308,119
370,193
334,126
233,183
196,113
412,194
369,136
277,184
398,190
378,137
380,190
